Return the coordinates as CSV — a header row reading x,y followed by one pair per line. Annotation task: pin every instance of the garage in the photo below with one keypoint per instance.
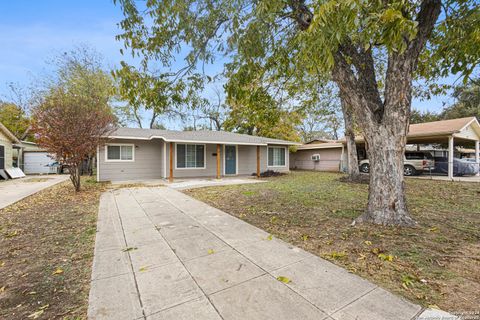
x,y
37,162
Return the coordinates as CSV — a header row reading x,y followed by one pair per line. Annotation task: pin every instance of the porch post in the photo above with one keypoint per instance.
x,y
450,157
218,161
170,177
477,155
258,161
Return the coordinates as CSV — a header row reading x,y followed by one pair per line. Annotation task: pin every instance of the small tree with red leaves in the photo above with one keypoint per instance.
x,y
71,128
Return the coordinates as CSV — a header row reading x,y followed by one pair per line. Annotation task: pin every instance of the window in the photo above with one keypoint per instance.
x,y
119,153
276,156
190,156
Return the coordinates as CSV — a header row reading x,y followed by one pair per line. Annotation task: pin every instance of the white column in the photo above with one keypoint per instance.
x,y
477,156
450,157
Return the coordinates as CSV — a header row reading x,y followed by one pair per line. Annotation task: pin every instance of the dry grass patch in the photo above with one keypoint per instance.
x,y
46,252
436,263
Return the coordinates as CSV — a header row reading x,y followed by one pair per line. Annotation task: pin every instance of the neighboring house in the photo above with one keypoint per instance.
x,y
7,141
454,134
319,155
133,154
32,159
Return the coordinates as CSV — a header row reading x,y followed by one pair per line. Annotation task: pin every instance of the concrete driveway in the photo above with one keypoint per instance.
x,y
15,190
160,254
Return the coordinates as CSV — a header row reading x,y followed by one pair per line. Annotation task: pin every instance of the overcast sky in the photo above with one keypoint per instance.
x,y
31,31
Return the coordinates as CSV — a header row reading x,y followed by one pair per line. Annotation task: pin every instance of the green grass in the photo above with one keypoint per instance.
x,y
439,259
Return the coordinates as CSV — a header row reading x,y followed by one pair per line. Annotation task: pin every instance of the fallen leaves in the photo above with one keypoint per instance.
x,y
58,271
39,312
211,251
283,279
385,257
338,255
270,237
127,249
11,234
407,281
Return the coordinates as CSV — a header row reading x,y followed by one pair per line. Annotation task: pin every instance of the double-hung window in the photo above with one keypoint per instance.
x,y
190,156
276,156
120,152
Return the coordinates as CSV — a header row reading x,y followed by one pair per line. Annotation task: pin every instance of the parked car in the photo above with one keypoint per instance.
x,y
461,167
414,162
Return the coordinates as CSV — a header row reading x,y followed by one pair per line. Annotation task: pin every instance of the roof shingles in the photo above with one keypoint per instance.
x,y
203,136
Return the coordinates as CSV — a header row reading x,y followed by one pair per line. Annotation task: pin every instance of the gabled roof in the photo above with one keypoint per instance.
x,y
8,133
325,145
201,136
441,127
316,141
420,131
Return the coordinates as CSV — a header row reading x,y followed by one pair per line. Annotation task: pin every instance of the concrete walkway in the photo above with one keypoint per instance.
x,y
160,254
15,190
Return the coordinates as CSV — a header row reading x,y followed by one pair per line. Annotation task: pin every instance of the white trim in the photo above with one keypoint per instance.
x,y
205,142
98,163
284,166
119,145
451,150
468,124
164,159
204,157
225,160
320,146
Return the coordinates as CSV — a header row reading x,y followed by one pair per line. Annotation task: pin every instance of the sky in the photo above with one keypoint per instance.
x,y
33,31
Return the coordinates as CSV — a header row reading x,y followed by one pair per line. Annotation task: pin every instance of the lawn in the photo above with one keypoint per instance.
x,y
46,251
436,263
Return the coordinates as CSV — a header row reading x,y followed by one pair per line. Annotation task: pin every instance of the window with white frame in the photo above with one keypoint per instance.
x,y
120,152
190,156
276,156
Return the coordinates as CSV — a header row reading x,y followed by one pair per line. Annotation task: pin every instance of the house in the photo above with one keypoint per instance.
x,y
134,154
7,141
32,159
454,134
319,155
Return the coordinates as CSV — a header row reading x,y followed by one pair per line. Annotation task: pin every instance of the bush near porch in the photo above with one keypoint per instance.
x,y
434,264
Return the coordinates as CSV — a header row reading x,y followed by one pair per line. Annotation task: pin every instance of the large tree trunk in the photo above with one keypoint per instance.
x,y
386,199
384,122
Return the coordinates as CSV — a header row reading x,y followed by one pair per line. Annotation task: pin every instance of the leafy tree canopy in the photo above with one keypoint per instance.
x,y
15,119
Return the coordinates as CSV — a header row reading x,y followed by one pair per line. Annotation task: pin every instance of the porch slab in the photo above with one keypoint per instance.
x,y
185,260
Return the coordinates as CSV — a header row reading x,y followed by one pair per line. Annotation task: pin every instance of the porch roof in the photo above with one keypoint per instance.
x,y
200,136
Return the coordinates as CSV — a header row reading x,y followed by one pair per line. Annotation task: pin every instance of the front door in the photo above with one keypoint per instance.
x,y
2,157
230,160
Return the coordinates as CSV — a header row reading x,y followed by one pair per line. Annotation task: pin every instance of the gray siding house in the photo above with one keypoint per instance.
x,y
135,154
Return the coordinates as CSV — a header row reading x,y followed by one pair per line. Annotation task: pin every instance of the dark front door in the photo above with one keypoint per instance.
x,y
230,160
2,157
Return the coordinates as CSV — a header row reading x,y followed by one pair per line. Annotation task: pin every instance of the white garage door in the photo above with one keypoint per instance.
x,y
36,162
